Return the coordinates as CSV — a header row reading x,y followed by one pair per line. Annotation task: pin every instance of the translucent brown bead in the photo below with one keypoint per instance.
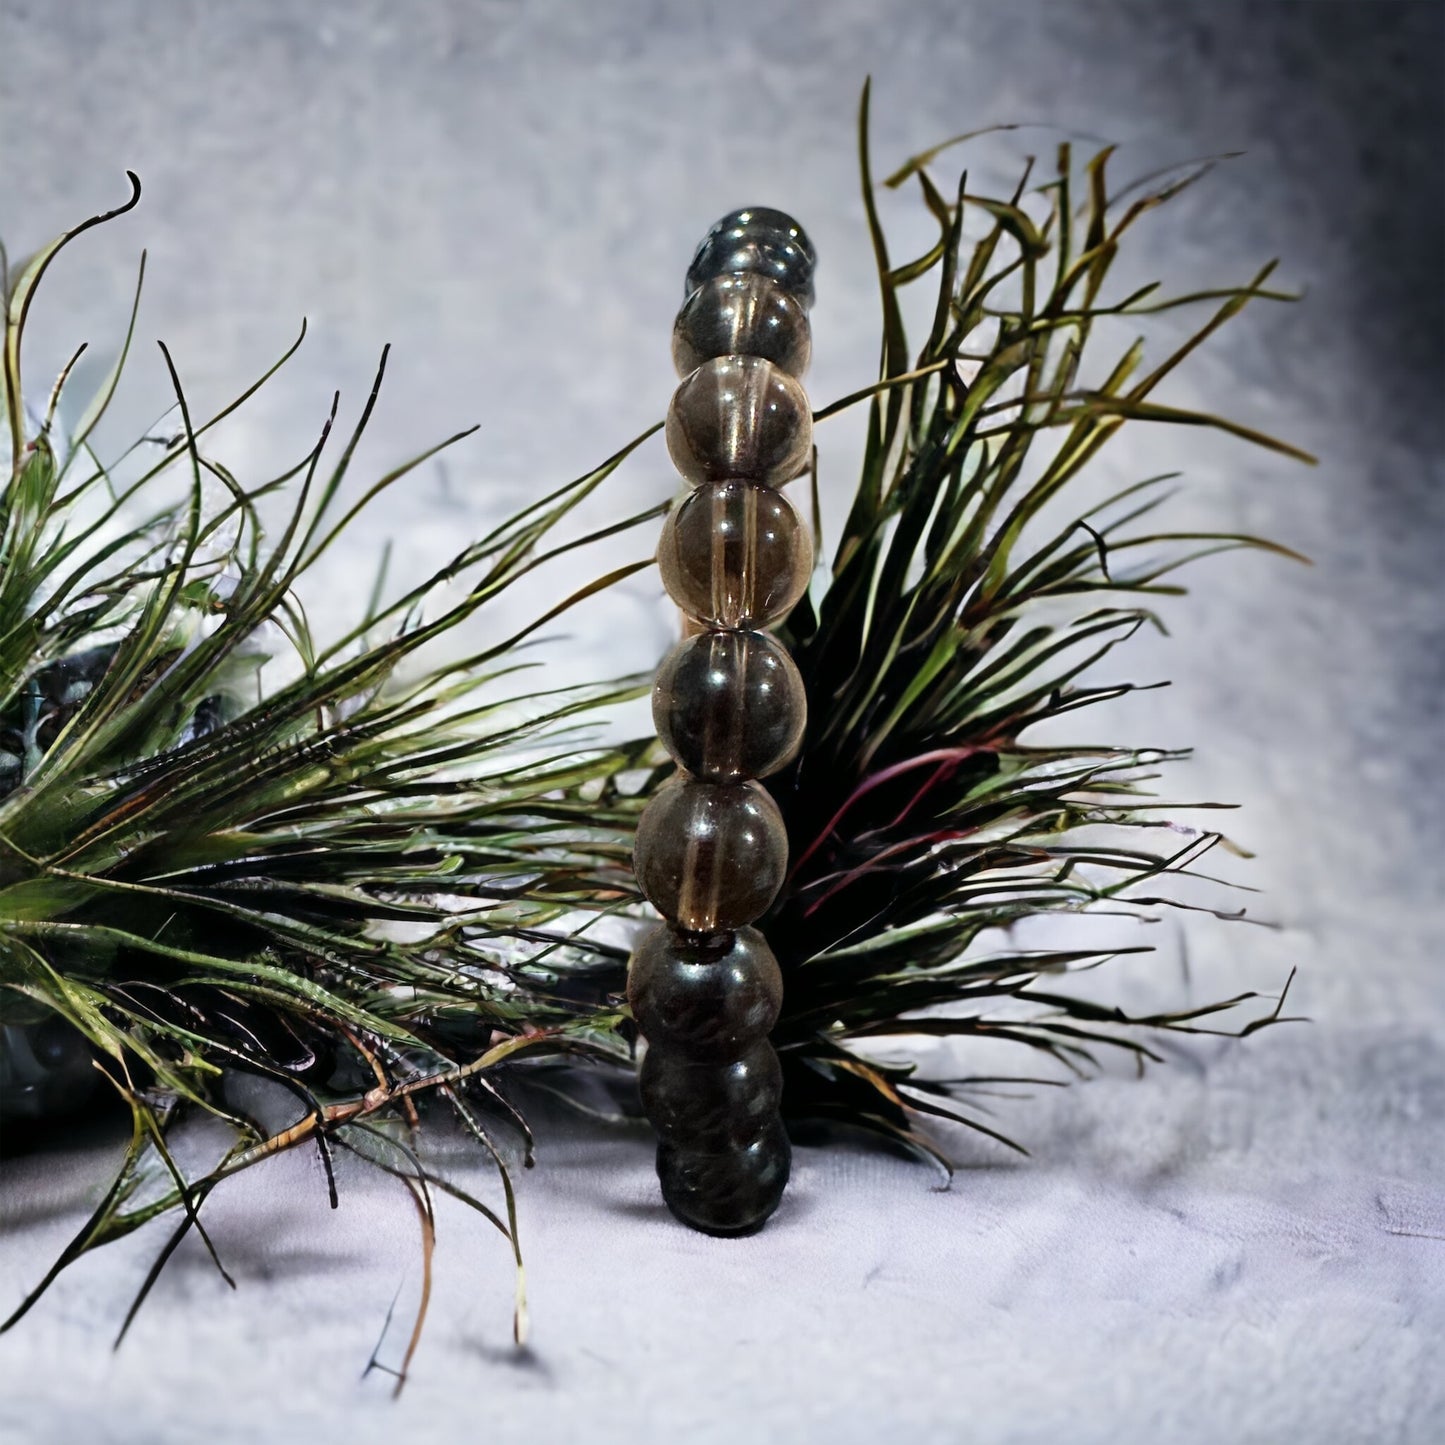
x,y
735,554
727,1193
729,705
740,315
710,856
710,1106
761,241
739,417
711,997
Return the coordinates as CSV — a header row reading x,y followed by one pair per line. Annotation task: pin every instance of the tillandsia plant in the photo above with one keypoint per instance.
x,y
923,821
358,883
370,882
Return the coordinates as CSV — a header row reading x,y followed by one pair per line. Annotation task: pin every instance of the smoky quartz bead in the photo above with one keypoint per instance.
x,y
739,417
710,856
711,996
741,315
710,1106
735,554
729,705
762,242
731,1192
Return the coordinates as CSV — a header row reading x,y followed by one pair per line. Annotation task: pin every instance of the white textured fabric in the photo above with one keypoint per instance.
x,y
1248,1246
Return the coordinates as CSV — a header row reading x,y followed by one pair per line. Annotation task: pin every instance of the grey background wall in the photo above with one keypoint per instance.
x,y
508,193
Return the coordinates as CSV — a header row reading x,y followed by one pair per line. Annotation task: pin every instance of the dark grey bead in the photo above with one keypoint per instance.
x,y
709,996
729,1193
740,418
761,241
729,705
742,315
45,1070
710,856
710,1106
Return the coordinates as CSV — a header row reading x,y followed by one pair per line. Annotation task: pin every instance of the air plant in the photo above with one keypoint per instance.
x,y
374,885
357,885
924,822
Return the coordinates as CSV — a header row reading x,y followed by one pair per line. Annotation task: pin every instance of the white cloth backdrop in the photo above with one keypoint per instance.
x,y
1249,1245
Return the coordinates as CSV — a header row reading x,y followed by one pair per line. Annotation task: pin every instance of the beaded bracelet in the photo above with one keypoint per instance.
x,y
711,848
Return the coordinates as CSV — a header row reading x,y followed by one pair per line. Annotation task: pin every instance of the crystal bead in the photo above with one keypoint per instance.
x,y
710,1106
728,1193
739,417
711,996
710,856
740,315
735,554
759,240
729,705
46,1070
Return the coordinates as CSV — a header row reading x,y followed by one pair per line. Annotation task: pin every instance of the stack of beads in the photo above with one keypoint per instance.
x,y
729,706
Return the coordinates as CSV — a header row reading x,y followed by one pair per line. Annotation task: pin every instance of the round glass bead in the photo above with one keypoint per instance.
x,y
759,240
729,705
46,1070
710,856
742,315
735,554
727,1193
711,997
710,1106
739,417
